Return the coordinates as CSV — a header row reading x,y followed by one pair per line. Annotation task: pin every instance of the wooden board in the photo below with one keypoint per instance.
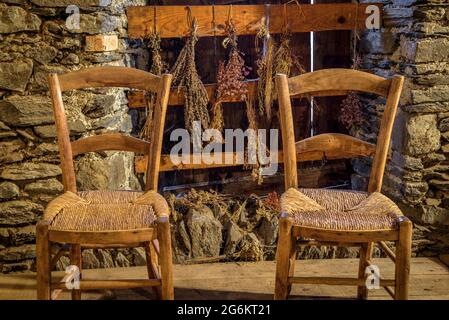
x,y
248,280
171,21
137,99
324,146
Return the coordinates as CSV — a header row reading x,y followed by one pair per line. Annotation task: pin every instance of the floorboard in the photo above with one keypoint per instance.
x,y
248,280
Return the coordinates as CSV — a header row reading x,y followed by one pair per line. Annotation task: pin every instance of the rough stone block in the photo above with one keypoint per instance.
x,y
422,134
425,50
8,190
19,212
15,75
26,110
101,43
29,171
15,19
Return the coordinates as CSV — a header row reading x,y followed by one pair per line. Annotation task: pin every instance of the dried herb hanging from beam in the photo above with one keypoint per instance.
x,y
351,108
265,72
186,76
230,78
157,68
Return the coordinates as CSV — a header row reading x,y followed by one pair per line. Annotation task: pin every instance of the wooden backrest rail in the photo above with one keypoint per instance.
x,y
109,77
337,145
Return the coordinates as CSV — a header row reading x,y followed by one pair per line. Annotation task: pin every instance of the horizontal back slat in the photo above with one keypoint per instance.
x,y
335,146
337,80
109,77
109,142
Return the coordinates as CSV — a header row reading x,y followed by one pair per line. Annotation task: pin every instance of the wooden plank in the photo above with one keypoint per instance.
x,y
171,21
337,281
306,150
338,79
108,142
137,99
246,280
109,284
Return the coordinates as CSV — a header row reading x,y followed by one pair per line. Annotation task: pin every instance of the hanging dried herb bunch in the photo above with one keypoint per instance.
x,y
157,68
351,108
285,61
265,71
230,77
186,76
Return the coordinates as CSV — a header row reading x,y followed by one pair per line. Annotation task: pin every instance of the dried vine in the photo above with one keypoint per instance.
x,y
186,76
158,66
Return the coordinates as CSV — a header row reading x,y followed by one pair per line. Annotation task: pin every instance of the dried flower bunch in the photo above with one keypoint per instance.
x,y
157,68
186,76
351,108
230,77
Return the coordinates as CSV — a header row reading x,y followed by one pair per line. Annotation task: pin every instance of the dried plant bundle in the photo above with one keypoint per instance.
x,y
285,61
158,66
186,76
265,73
230,77
351,115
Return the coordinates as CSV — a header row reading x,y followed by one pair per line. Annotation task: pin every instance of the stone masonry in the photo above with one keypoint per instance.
x,y
414,42
36,38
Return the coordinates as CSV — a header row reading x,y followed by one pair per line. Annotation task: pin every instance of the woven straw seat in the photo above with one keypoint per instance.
x,y
104,210
340,209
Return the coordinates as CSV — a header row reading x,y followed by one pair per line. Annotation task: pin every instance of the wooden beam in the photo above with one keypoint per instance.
x,y
336,281
137,99
110,284
171,21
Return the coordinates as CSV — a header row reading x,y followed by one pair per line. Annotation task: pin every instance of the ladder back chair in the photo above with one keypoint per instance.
x,y
107,219
340,217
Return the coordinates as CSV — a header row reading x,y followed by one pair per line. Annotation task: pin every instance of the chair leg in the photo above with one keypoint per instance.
x,y
292,261
75,259
403,257
283,254
164,237
43,261
152,266
366,252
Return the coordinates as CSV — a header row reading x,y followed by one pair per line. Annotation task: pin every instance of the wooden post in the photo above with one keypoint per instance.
x,y
283,253
165,258
384,137
403,257
154,157
63,133
287,131
292,261
43,261
152,263
75,259
366,251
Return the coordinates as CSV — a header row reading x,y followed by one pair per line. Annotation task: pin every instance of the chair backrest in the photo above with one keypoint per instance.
x,y
109,77
331,82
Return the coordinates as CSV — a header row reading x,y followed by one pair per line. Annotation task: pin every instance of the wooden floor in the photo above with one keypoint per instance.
x,y
246,281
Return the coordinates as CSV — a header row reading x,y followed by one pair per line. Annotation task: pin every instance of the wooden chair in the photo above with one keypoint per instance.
x,y
340,217
107,219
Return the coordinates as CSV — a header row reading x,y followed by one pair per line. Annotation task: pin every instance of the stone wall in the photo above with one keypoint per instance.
x,y
35,40
414,42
